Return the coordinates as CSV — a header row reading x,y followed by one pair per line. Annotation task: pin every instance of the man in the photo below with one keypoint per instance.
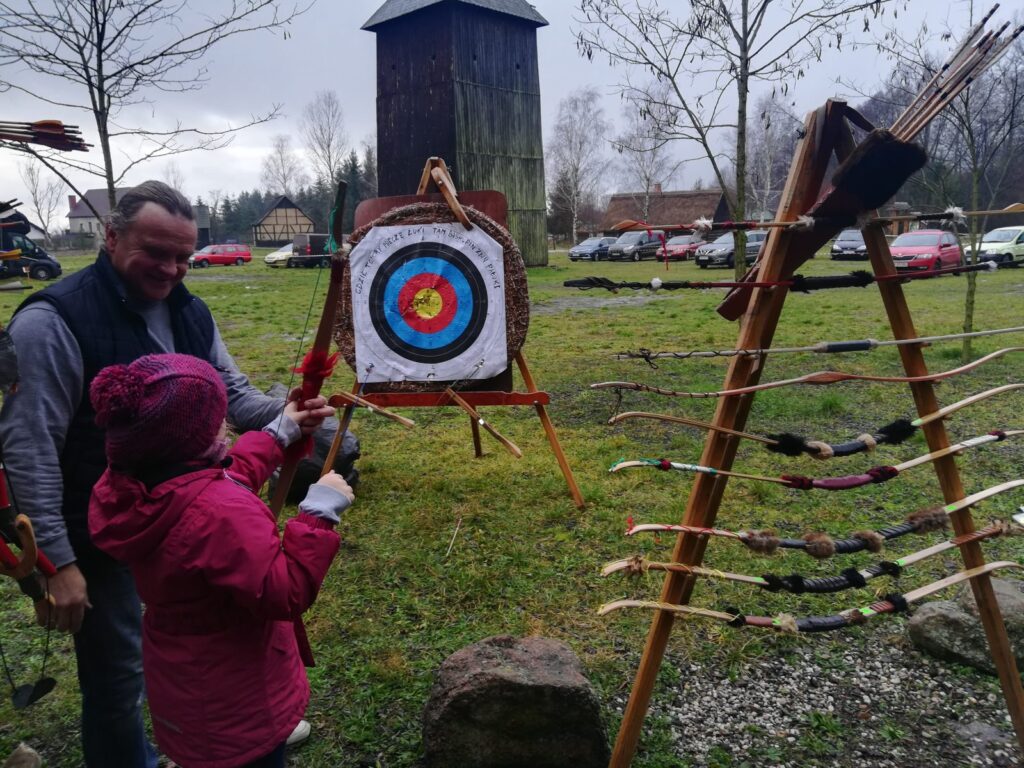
x,y
129,303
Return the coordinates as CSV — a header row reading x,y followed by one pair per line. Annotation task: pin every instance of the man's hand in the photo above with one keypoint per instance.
x,y
309,415
70,599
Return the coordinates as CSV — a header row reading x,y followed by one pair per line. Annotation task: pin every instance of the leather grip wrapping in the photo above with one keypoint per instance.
x,y
849,448
813,624
849,346
843,483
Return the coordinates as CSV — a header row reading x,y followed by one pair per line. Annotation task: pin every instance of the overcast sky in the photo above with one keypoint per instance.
x,y
326,49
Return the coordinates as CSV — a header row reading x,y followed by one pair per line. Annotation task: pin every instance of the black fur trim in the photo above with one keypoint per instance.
x,y
895,432
795,583
788,444
775,584
889,568
739,620
899,603
853,577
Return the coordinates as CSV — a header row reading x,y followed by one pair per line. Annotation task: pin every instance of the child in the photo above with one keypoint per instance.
x,y
222,641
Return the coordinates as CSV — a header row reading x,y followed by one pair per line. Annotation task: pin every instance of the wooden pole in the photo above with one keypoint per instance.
x,y
949,477
756,332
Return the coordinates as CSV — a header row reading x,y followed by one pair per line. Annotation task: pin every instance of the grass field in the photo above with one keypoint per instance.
x,y
525,561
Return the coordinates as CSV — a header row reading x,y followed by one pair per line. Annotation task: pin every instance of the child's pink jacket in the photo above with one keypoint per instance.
x,y
223,671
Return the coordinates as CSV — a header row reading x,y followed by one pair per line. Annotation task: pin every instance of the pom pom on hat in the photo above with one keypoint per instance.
x,y
160,409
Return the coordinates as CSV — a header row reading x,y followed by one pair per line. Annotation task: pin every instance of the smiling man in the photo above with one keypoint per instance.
x,y
130,302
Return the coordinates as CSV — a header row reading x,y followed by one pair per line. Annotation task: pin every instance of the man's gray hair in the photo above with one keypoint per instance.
x,y
152,191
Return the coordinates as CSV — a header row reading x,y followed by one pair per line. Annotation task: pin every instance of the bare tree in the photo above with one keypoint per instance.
x,y
174,176
323,131
974,140
710,56
282,168
108,56
574,156
645,153
771,141
46,195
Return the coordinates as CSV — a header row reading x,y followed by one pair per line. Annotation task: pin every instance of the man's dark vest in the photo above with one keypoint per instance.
x,y
95,308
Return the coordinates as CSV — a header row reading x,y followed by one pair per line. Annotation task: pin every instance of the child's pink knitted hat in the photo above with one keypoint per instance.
x,y
160,409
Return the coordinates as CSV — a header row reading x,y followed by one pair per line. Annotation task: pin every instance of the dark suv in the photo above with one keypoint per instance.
x,y
34,261
637,245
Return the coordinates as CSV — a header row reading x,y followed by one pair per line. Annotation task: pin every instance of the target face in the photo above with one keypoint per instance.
x,y
428,304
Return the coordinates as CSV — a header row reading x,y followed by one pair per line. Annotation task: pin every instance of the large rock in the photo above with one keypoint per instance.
x,y
952,631
509,702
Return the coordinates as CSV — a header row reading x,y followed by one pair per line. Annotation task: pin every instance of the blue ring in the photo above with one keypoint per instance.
x,y
463,294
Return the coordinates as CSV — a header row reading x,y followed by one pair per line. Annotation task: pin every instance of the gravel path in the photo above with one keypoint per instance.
x,y
868,701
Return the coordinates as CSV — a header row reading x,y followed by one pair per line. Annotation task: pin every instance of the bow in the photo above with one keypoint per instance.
x,y
822,347
874,475
894,603
951,213
789,444
797,283
819,377
849,578
820,545
318,363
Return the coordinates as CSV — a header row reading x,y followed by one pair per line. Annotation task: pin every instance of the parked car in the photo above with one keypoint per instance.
x,y
278,258
593,249
309,249
33,261
680,247
926,249
722,252
1001,245
849,245
220,254
637,245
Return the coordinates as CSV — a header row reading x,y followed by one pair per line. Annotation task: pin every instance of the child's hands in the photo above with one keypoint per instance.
x,y
336,482
328,497
309,414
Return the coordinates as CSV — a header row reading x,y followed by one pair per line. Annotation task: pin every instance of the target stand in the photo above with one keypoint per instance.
x,y
452,302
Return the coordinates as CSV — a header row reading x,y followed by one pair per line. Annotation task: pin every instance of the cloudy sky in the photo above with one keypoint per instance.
x,y
325,49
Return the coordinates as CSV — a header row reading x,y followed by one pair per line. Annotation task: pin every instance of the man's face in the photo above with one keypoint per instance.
x,y
151,256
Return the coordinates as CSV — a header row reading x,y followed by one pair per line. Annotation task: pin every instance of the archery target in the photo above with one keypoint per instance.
x,y
428,304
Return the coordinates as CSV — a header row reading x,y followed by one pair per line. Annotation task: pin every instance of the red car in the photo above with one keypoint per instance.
x,y
927,249
680,247
220,254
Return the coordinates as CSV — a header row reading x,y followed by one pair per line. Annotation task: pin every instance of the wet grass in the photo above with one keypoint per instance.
x,y
524,560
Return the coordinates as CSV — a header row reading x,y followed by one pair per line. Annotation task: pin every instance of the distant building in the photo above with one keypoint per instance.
x,y
459,79
280,223
666,209
83,224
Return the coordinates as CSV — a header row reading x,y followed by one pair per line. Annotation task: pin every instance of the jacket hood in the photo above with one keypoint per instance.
x,y
129,521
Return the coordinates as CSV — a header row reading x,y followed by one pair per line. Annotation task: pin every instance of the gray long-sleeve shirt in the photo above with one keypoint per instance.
x,y
35,417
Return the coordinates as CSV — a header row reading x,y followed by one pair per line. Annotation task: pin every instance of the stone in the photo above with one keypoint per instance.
x,y
23,757
309,468
952,631
508,702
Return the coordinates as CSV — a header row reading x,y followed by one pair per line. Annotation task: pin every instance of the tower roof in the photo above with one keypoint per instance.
x,y
393,9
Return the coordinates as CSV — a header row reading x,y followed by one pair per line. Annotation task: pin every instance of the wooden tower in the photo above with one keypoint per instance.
x,y
459,79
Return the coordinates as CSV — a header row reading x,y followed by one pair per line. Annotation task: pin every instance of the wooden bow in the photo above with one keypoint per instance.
x,y
889,604
819,377
318,363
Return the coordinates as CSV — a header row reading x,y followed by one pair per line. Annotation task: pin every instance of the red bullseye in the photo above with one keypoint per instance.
x,y
427,303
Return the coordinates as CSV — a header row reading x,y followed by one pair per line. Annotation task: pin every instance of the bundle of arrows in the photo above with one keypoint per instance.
x,y
48,133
